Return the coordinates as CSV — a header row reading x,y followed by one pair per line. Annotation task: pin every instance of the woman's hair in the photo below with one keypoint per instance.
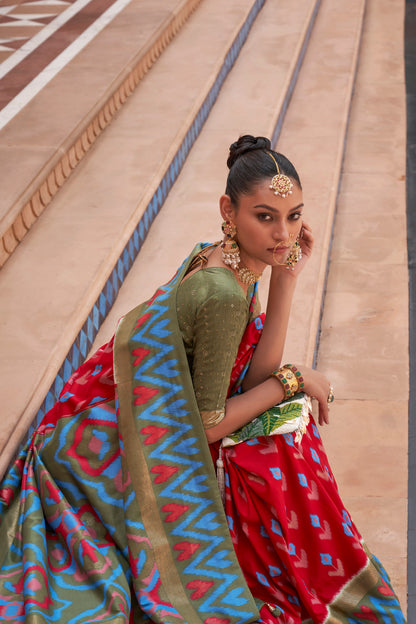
x,y
249,163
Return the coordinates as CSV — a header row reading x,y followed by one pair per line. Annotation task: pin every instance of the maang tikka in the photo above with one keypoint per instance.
x,y
280,184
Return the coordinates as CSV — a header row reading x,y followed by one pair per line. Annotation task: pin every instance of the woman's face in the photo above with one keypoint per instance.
x,y
267,224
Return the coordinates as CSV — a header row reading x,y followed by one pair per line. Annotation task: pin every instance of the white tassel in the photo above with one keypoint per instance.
x,y
220,476
304,418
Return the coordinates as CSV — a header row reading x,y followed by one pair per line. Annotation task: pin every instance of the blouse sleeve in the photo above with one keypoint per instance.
x,y
219,325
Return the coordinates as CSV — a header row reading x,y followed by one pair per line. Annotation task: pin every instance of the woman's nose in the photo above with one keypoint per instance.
x,y
281,232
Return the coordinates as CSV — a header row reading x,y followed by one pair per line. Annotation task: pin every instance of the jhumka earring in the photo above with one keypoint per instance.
x,y
280,184
231,255
229,247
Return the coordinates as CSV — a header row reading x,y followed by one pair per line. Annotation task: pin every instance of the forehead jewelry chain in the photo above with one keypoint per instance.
x,y
280,184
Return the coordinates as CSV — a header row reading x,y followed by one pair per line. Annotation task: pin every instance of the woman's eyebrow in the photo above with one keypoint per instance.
x,y
275,210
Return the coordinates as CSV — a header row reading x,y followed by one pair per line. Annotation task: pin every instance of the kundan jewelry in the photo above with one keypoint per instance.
x,y
229,247
280,184
331,395
288,379
293,257
231,255
247,276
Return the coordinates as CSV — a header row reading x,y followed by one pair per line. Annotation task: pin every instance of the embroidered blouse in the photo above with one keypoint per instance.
x,y
213,312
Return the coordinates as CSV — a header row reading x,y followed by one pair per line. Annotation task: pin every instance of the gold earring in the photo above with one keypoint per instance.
x,y
229,248
294,256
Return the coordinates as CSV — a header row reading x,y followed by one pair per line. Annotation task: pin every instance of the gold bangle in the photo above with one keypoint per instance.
x,y
212,417
288,379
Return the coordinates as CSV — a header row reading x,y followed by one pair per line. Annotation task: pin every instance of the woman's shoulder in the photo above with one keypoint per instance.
x,y
213,282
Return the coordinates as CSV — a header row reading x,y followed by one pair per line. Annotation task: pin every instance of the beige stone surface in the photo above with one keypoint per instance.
x,y
53,119
372,236
371,193
313,136
191,211
383,529
363,346
364,443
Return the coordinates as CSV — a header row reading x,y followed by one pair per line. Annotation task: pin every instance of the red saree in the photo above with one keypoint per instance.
x,y
296,543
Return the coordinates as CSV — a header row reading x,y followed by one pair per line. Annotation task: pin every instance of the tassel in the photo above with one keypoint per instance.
x,y
220,476
304,418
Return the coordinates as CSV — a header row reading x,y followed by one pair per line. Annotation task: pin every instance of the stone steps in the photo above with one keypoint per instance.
x,y
364,337
70,265
58,126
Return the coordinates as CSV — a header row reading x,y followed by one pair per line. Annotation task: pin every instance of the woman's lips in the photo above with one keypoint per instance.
x,y
277,250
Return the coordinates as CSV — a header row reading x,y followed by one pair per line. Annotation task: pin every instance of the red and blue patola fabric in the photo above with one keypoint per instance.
x,y
112,513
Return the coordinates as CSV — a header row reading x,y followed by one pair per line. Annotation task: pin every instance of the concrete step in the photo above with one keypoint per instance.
x,y
363,345
57,126
313,135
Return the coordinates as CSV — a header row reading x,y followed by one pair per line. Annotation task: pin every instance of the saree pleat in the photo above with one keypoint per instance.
x,y
297,545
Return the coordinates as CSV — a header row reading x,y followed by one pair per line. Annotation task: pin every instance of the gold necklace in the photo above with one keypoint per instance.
x,y
247,276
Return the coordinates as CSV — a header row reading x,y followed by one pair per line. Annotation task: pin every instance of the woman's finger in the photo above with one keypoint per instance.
x,y
305,230
306,241
306,235
323,412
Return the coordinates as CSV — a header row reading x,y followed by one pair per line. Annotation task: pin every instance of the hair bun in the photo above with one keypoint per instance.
x,y
246,143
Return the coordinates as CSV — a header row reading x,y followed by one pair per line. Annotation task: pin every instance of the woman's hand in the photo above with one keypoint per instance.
x,y
317,387
305,241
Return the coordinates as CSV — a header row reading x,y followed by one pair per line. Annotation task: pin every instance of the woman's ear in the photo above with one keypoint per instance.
x,y
226,208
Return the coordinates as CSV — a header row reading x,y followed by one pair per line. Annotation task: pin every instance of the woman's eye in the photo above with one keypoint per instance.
x,y
264,216
295,216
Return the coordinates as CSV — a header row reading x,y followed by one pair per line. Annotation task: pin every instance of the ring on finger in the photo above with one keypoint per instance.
x,y
331,395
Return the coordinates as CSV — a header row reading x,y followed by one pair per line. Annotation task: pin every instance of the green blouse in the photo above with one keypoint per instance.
x,y
213,312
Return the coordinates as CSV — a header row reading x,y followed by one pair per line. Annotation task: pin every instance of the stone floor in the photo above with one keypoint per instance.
x,y
21,21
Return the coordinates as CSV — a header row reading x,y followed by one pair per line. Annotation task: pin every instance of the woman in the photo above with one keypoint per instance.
x,y
113,512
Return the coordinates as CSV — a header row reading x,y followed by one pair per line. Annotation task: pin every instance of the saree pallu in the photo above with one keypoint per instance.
x,y
112,512
296,543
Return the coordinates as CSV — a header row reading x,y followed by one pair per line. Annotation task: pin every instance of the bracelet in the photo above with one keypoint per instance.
x,y
298,375
290,378
212,417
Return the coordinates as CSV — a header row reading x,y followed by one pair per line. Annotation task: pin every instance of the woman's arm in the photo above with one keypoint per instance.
x,y
242,408
268,354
